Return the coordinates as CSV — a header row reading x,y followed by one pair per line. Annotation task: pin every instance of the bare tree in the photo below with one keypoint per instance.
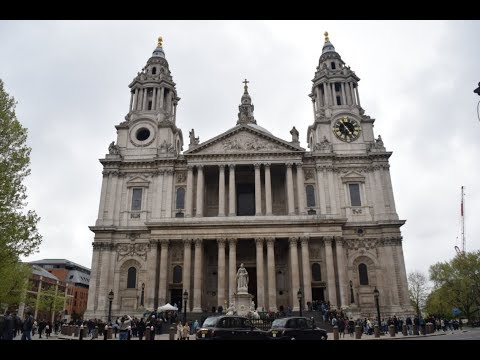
x,y
418,289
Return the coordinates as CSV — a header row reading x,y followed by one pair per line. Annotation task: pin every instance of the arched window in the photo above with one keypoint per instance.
x,y
310,196
316,273
154,71
131,278
333,65
177,274
363,274
180,198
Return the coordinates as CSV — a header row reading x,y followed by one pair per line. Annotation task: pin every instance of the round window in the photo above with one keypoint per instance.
x,y
143,134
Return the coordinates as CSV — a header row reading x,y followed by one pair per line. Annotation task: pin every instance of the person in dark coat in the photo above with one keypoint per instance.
x,y
8,327
27,327
141,327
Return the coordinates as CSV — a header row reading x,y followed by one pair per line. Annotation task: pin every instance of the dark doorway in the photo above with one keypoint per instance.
x,y
176,298
252,282
317,294
245,199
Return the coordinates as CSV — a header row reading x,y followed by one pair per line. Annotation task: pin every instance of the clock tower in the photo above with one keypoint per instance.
x,y
339,118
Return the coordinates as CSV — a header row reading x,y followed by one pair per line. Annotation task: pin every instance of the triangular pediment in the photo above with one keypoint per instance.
x,y
138,181
244,139
353,176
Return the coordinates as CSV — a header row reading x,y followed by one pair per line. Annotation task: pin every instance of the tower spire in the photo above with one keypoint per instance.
x,y
245,115
327,47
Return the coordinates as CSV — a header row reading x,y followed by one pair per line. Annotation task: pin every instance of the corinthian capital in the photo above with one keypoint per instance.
x,y
293,241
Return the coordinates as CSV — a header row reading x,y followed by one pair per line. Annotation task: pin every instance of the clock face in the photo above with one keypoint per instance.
x,y
347,129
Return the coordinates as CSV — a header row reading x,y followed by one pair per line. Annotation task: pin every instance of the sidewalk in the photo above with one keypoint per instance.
x,y
396,337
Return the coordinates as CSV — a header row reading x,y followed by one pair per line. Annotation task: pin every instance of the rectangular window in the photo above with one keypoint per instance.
x,y
355,194
137,199
339,102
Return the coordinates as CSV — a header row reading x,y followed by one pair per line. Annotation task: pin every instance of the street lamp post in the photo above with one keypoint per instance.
x,y
376,294
300,297
110,299
185,299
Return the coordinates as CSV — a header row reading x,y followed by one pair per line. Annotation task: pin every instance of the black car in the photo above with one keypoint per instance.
x,y
296,328
229,328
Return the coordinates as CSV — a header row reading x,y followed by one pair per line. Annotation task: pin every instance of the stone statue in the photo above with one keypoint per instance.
x,y
113,149
193,140
294,133
242,279
160,42
379,142
231,310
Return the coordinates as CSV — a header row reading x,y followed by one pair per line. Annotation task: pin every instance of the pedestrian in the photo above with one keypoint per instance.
x,y
186,331
28,327
48,329
179,330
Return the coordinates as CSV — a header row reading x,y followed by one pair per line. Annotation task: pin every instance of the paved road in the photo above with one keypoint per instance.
x,y
470,334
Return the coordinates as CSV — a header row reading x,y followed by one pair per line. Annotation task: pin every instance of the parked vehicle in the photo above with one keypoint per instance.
x,y
296,328
225,327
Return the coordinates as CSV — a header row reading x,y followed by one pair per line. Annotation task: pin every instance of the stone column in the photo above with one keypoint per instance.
x,y
221,191
162,290
258,191
187,269
348,92
403,275
344,97
334,97
342,271
152,280
260,277
271,274
332,193
391,274
231,191
221,272
301,190
162,95
189,194
332,292
131,102
103,193
321,190
295,273
154,98
197,277
306,271
325,94
232,268
157,103
145,96
199,191
169,193
268,191
135,102
358,96
314,109
157,195
290,199
319,97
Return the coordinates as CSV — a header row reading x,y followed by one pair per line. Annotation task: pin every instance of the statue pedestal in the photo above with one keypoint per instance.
x,y
242,303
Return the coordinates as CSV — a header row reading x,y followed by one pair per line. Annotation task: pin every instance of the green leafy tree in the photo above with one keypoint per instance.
x,y
18,228
50,301
13,282
418,290
458,282
436,304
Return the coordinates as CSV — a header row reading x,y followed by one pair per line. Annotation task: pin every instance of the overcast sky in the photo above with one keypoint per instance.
x,y
71,78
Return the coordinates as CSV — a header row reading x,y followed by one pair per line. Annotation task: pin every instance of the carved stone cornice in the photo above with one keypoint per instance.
x,y
124,250
169,171
103,246
181,177
266,165
362,243
292,241
153,242
232,241
391,241
309,174
298,165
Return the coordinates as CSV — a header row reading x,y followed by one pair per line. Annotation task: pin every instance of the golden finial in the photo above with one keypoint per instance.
x,y
326,36
160,41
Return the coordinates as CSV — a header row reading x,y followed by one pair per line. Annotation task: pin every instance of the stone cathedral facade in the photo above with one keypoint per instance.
x,y
322,220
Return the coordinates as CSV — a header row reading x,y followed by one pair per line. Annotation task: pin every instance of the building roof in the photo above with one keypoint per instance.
x,y
37,270
76,276
61,262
